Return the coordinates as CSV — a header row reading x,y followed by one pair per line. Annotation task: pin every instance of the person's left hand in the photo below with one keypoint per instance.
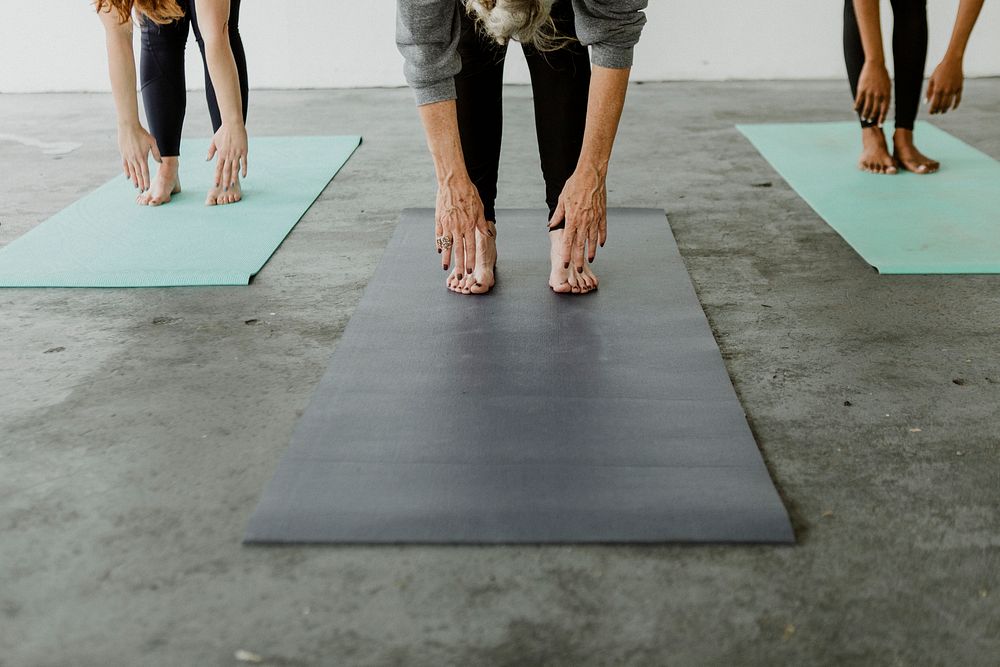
x,y
231,145
944,91
583,205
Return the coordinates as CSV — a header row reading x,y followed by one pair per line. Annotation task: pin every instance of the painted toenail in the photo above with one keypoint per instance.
x,y
579,269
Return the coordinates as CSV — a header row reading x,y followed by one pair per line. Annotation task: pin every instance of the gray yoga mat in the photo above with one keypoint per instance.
x,y
525,416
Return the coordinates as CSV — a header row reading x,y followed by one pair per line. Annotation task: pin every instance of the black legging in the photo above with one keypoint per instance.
x,y
162,74
560,83
909,53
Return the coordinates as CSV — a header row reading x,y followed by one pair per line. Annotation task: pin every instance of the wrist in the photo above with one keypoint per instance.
x,y
953,57
233,123
875,62
593,166
129,124
453,178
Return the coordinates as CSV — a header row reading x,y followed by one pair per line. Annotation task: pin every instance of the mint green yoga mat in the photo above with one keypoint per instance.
x,y
948,222
106,240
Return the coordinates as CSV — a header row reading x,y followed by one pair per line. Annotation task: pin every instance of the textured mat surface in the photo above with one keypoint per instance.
x,y
525,416
947,222
106,240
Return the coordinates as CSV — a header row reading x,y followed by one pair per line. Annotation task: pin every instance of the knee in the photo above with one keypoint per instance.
x,y
215,35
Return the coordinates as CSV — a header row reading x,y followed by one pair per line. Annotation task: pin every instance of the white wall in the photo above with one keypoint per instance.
x,y
349,43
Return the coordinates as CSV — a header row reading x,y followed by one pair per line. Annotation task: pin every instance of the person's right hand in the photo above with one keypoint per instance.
x,y
874,93
458,214
135,144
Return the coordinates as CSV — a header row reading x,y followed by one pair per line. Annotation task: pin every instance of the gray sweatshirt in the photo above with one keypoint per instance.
x,y
427,34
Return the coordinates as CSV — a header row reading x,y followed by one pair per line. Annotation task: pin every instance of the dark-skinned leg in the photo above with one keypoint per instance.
x,y
909,50
875,157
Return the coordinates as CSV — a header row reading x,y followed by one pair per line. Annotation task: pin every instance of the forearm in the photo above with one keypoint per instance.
x,y
121,69
604,111
213,20
968,14
870,27
225,79
440,121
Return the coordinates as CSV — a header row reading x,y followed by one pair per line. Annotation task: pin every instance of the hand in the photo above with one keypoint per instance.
x,y
583,205
231,145
135,145
944,91
458,214
874,93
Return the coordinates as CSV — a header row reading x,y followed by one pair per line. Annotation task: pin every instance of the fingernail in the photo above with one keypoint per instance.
x,y
439,251
468,270
579,269
566,265
445,267
590,260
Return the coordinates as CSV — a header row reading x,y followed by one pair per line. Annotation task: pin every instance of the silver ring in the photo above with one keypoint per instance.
x,y
444,242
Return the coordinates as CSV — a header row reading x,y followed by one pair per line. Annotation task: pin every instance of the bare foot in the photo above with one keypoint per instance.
x,y
907,155
567,280
875,157
482,279
164,184
222,195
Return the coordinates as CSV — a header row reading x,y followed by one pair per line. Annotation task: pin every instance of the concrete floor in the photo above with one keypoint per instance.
x,y
139,426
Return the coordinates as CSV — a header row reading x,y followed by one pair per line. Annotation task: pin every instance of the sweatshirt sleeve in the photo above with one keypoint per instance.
x,y
427,34
611,28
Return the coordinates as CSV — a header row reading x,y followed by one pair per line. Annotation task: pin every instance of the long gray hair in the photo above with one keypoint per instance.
x,y
526,21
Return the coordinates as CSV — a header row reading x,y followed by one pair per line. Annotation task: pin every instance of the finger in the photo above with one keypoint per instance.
x,y
602,234
931,88
592,243
936,101
212,150
219,166
125,167
134,174
246,164
234,171
883,112
484,227
943,101
559,215
859,101
155,150
144,172
437,234
445,255
459,249
567,246
870,104
470,251
579,250
958,99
